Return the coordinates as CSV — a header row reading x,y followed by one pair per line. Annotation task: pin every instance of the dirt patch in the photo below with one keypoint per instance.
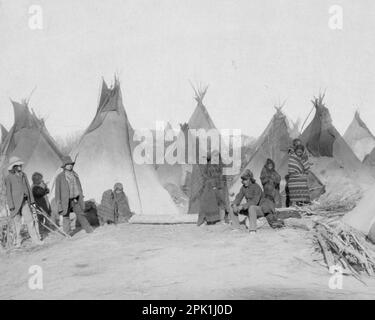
x,y
176,262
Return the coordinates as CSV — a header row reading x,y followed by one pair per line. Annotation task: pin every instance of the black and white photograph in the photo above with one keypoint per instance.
x,y
196,152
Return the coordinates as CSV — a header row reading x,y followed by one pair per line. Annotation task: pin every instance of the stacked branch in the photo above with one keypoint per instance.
x,y
344,246
332,206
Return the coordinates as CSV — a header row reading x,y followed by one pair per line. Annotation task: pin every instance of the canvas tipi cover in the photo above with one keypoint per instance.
x,y
4,133
273,143
323,140
184,149
29,140
369,159
104,156
359,137
362,217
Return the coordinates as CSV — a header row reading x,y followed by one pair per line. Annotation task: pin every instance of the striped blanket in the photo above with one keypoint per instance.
x,y
298,182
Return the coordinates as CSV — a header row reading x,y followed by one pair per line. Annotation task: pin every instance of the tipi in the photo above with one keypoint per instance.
x,y
104,156
273,143
30,140
323,140
201,119
359,137
179,174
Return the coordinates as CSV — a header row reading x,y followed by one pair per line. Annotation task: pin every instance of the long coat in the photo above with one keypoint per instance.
x,y
62,194
15,188
212,196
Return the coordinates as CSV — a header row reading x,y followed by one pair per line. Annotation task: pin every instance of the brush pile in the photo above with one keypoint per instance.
x,y
345,247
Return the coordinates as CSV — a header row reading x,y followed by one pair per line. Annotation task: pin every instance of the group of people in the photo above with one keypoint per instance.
x,y
254,201
25,201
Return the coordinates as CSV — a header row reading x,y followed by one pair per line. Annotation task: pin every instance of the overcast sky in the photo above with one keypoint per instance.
x,y
251,53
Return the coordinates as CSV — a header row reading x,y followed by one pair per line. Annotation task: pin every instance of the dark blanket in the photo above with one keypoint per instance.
x,y
114,208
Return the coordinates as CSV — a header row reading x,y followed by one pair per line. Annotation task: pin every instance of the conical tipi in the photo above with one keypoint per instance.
x,y
200,119
29,140
104,156
359,137
323,140
273,143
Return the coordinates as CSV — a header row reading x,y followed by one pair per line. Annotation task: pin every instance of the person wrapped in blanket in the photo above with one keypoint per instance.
x,y
213,193
269,176
114,207
298,142
257,204
297,180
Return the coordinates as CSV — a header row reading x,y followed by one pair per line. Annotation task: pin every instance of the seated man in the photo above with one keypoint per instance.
x,y
257,205
251,191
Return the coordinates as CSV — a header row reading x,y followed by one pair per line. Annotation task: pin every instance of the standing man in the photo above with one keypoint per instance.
x,y
20,201
69,196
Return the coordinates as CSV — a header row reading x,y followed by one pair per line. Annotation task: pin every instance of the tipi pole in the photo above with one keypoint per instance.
x,y
303,124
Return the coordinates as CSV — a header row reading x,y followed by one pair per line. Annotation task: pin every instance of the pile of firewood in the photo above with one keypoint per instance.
x,y
344,246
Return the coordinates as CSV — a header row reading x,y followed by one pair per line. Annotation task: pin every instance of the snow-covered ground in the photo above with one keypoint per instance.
x,y
140,261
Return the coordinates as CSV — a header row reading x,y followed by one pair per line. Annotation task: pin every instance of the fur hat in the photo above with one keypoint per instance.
x,y
118,185
247,175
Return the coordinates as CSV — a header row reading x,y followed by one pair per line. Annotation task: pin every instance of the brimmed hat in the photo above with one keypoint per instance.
x,y
247,175
67,160
14,161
